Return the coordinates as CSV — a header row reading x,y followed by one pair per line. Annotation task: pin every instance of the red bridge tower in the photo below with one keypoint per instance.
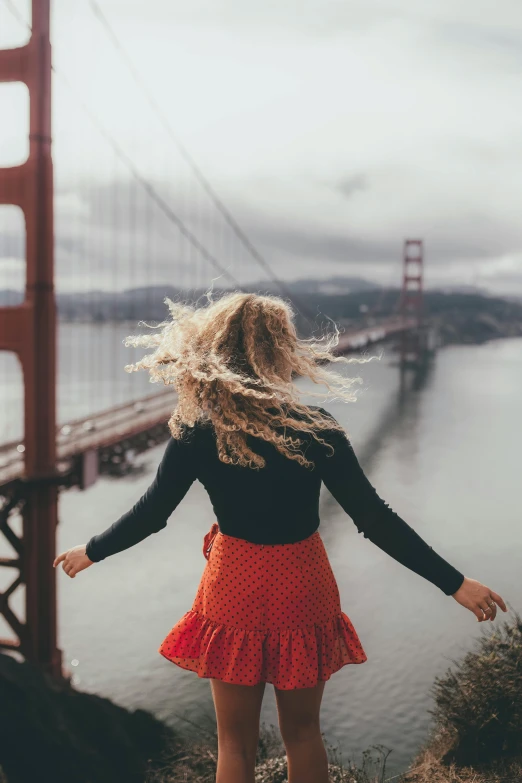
x,y
412,302
29,330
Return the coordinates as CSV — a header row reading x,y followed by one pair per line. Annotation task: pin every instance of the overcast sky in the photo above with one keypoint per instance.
x,y
332,129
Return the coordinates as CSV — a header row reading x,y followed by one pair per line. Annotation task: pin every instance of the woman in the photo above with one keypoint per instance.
x,y
267,607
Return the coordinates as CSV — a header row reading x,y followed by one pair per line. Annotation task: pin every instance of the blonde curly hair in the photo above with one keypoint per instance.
x,y
232,364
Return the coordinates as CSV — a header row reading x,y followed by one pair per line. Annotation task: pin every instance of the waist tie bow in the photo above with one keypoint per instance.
x,y
209,539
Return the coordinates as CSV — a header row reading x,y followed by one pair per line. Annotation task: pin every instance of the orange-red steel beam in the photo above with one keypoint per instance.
x,y
30,331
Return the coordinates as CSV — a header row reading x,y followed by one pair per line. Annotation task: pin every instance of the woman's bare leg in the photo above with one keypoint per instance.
x,y
300,729
238,709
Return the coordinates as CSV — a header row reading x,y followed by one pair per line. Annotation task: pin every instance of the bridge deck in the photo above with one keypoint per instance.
x,y
96,431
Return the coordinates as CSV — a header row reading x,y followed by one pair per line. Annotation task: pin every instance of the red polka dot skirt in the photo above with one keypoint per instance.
x,y
264,613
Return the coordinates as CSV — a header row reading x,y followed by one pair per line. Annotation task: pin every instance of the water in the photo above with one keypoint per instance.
x,y
446,458
90,374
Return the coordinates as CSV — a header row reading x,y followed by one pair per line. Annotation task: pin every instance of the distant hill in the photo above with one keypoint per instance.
x,y
328,285
148,301
463,313
460,289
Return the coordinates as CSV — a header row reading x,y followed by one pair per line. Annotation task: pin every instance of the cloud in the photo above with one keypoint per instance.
x,y
332,130
352,184
318,17
114,237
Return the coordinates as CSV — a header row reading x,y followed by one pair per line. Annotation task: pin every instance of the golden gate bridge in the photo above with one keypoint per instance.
x,y
54,453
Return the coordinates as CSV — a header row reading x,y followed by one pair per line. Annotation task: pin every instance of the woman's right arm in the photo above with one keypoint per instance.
x,y
175,474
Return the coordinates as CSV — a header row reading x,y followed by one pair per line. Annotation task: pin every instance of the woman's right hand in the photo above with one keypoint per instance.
x,y
73,560
476,597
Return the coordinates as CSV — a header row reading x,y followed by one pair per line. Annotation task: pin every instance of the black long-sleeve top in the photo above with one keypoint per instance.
x,y
277,504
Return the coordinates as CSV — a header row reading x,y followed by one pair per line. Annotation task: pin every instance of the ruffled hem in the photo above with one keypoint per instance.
x,y
287,658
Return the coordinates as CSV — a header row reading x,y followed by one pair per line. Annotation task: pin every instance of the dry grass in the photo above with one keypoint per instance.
x,y
430,768
197,762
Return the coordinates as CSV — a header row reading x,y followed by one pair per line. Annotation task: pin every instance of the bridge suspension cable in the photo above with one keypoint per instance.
x,y
187,157
151,190
149,187
16,13
126,160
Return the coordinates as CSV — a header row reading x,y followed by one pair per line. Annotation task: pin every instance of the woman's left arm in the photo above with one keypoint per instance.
x,y
343,475
174,476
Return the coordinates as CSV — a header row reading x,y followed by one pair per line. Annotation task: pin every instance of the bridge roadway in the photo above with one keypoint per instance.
x,y
361,338
112,426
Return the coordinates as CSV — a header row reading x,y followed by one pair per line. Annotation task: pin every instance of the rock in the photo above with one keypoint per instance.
x,y
51,732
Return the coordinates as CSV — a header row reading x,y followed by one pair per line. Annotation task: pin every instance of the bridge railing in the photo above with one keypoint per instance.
x,y
94,432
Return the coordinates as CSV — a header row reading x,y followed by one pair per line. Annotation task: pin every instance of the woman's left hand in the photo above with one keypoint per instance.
x,y
74,560
479,599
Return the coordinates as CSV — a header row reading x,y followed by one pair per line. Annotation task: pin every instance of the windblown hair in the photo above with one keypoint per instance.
x,y
232,364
